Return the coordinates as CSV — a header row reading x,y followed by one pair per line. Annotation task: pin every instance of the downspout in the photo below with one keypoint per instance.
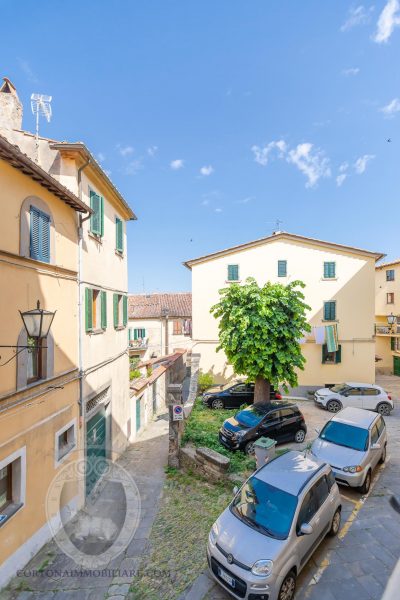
x,y
166,335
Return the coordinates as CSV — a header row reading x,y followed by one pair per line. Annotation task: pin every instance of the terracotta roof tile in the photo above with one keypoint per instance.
x,y
154,306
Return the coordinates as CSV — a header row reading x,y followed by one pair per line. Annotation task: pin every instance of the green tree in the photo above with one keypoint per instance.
x,y
259,331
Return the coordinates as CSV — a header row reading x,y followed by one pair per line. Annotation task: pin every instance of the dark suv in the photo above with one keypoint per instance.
x,y
233,395
281,421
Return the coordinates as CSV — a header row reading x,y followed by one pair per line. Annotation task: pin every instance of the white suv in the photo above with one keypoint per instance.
x,y
357,395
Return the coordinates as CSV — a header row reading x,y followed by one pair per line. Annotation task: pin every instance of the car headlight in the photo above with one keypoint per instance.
x,y
353,469
213,534
239,434
262,568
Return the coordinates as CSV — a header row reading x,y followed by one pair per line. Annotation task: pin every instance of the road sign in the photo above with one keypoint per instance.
x,y
177,412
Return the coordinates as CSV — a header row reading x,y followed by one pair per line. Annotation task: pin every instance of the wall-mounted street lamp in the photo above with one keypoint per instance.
x,y
391,319
37,323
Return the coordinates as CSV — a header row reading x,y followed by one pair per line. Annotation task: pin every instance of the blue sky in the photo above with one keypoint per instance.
x,y
215,119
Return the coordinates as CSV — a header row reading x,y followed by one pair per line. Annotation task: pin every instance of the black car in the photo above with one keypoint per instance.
x,y
281,421
233,395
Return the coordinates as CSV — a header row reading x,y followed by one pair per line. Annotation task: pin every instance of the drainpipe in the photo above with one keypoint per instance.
x,y
166,335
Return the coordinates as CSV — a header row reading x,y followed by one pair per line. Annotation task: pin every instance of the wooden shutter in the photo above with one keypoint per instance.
x,y
329,270
39,235
95,219
125,310
101,216
103,299
338,355
282,270
392,342
233,272
89,309
324,353
116,316
119,235
329,311
35,236
136,334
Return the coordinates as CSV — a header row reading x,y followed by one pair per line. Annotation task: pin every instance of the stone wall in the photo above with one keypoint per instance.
x,y
206,462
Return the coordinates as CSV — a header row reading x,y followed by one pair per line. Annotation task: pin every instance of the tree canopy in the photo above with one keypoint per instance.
x,y
260,329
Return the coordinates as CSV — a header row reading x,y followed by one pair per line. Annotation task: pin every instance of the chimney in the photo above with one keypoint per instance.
x,y
10,106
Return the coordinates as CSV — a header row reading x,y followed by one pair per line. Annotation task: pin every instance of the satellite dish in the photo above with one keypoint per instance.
x,y
40,105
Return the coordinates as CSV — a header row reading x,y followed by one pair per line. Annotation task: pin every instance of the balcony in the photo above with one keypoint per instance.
x,y
389,330
141,344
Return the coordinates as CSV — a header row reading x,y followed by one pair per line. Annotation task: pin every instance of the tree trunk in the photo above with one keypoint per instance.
x,y
261,390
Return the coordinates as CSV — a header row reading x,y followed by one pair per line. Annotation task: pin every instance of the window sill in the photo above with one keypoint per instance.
x,y
233,281
96,331
9,511
329,278
95,237
330,320
65,453
120,327
120,254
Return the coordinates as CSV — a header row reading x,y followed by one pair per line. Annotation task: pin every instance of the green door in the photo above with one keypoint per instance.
x,y
396,365
95,449
138,413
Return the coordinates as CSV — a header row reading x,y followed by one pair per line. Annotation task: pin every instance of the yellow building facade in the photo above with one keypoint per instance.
x,y
39,386
339,289
387,317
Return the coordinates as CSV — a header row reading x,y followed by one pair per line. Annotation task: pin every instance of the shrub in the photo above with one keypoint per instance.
x,y
205,381
135,374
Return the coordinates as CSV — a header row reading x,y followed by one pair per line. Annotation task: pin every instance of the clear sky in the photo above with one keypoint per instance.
x,y
214,118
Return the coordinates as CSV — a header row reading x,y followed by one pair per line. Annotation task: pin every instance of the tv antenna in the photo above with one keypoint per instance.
x,y
40,105
277,225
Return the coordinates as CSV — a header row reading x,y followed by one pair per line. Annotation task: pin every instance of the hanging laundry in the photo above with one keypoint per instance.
x,y
332,337
302,340
319,334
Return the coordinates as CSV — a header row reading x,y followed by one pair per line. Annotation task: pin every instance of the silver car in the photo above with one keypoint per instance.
x,y
358,395
352,442
260,543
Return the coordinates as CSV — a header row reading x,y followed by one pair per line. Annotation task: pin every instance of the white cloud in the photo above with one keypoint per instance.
x,y
388,20
261,155
343,167
351,71
218,210
340,179
152,150
125,150
358,15
206,170
312,163
101,157
392,108
361,163
176,164
245,200
26,68
205,202
133,167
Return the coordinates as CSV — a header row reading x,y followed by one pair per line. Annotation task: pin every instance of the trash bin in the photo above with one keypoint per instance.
x,y
265,450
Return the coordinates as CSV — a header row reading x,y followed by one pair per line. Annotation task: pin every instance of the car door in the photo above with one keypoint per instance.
x,y
370,398
269,426
305,543
375,453
287,424
353,397
250,393
236,396
318,515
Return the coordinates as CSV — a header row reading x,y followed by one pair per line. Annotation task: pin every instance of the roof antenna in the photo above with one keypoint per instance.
x,y
40,105
278,224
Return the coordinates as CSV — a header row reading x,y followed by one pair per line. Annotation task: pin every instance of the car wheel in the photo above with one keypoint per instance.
x,y
384,409
217,404
249,448
334,530
300,436
288,587
334,406
364,489
383,455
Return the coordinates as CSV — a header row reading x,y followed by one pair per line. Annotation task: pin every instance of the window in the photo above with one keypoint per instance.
x,y
282,268
370,392
5,486
177,327
354,391
12,484
286,413
380,425
390,298
307,510
241,388
65,441
329,270
120,311
97,218
321,491
39,235
119,235
331,358
233,272
139,334
330,478
374,435
390,275
95,309
395,344
330,311
34,360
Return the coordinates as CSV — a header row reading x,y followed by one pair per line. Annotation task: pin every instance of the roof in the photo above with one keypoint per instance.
x,y
289,471
359,417
81,148
17,159
158,367
281,235
388,264
155,306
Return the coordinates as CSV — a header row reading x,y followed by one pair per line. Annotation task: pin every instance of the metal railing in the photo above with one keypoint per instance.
x,y
387,329
138,344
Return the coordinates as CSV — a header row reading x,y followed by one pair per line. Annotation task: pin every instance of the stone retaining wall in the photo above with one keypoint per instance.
x,y
206,462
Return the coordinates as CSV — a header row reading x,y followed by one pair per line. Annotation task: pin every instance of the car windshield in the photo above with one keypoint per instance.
x,y
340,387
265,508
345,435
250,416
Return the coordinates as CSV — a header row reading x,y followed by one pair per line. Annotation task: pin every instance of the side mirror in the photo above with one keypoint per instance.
x,y
235,490
306,529
375,447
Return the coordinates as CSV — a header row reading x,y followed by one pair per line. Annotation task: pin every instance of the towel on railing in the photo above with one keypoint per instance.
x,y
331,335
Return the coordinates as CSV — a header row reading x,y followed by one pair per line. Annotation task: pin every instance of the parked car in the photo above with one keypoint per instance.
x,y
281,421
260,543
352,442
233,395
359,395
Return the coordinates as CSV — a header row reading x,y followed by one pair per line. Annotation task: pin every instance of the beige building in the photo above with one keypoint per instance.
x,y
39,380
159,324
339,289
387,317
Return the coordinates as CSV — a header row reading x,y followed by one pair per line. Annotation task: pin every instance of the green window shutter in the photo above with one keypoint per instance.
x,y
39,235
329,270
119,235
233,272
89,309
101,216
103,310
338,355
329,311
116,320
135,334
125,310
392,346
324,352
282,268
95,219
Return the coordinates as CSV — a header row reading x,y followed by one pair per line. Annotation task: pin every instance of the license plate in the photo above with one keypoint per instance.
x,y
229,580
223,438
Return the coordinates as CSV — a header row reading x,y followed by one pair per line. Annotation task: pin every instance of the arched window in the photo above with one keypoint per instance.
x,y
37,238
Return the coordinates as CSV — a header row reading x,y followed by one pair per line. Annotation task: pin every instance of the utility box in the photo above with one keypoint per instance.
x,y
265,450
